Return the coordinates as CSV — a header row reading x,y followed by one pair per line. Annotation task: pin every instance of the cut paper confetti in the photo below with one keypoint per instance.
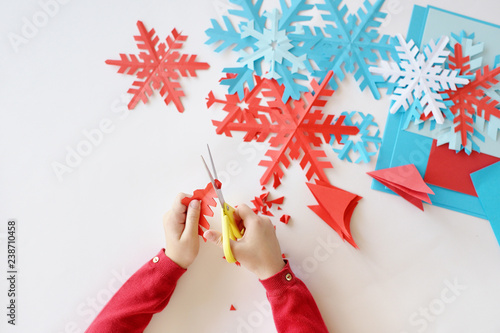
x,y
262,204
365,144
237,263
207,197
263,43
276,180
487,184
335,207
472,103
419,77
285,218
295,130
349,43
158,67
405,181
232,308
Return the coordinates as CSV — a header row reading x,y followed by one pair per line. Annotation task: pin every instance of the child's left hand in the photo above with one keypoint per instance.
x,y
181,231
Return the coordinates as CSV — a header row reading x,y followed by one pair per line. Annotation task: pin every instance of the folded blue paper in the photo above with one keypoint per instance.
x,y
487,184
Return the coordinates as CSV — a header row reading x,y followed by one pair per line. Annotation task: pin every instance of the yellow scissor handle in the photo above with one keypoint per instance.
x,y
229,231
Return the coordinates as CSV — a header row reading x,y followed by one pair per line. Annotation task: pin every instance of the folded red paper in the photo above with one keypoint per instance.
x,y
207,197
405,181
335,207
285,218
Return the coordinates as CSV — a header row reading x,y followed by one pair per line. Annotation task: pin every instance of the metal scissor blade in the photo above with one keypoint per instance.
x,y
212,180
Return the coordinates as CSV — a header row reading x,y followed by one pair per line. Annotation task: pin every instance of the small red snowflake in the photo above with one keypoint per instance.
x,y
471,99
158,68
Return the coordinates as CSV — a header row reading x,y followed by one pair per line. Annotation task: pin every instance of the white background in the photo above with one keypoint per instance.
x,y
78,238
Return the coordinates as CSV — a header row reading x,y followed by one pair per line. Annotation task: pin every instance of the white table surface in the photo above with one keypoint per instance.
x,y
80,237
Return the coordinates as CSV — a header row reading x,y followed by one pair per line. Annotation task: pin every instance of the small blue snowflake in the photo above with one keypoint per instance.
x,y
263,40
351,44
368,133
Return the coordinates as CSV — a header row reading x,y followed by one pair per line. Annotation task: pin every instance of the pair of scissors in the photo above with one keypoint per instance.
x,y
230,229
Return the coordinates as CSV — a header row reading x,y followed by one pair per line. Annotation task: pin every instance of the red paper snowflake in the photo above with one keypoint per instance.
x,y
471,99
295,129
207,199
158,68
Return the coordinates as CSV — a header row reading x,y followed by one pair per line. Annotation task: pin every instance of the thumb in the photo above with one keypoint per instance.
x,y
192,219
213,236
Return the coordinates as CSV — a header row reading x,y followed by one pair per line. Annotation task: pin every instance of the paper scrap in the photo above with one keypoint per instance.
x,y
285,218
276,180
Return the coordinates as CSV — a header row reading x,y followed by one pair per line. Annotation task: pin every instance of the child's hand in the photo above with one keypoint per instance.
x,y
181,231
258,250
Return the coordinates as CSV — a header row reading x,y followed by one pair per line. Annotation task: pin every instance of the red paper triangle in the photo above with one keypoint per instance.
x,y
405,175
405,181
335,207
285,218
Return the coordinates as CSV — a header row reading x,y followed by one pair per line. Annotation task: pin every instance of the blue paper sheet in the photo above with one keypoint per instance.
x,y
487,184
401,147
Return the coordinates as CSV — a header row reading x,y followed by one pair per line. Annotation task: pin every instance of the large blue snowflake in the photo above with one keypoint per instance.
x,y
264,45
352,44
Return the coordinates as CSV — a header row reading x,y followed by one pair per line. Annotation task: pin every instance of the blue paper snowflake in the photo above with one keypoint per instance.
x,y
351,44
264,44
366,143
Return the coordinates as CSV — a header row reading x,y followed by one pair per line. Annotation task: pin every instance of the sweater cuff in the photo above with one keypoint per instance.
x,y
280,282
168,269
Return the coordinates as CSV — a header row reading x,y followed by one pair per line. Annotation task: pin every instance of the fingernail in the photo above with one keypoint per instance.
x,y
194,204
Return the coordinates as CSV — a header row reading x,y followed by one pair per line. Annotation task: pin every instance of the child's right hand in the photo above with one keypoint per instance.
x,y
258,250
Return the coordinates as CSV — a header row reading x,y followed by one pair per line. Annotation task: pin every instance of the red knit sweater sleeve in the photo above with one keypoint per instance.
x,y
294,308
144,294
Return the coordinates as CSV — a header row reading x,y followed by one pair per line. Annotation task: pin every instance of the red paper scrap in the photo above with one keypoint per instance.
x,y
237,263
158,67
452,170
285,218
276,181
232,308
283,256
206,196
262,205
405,181
335,207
